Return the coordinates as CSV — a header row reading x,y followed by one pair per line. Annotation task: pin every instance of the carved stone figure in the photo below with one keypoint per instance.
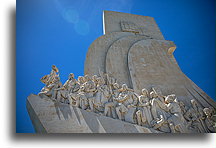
x,y
195,115
62,94
158,123
95,79
144,115
81,99
158,106
50,89
101,94
126,101
89,89
210,119
68,91
81,80
53,74
109,109
176,118
132,51
71,84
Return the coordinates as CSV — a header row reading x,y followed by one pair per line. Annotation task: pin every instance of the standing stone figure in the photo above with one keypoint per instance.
x,y
210,120
195,116
176,118
54,73
50,89
102,95
81,99
158,106
144,116
125,101
110,106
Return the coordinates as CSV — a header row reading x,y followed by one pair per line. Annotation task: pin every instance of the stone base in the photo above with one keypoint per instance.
x,y
48,116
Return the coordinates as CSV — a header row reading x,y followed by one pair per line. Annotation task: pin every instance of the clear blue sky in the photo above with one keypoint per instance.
x,y
60,31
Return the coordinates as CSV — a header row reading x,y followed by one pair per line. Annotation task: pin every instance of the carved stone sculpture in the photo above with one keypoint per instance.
x,y
131,58
210,120
144,115
176,117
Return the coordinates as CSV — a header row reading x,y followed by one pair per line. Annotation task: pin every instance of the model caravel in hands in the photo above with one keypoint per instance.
x,y
132,84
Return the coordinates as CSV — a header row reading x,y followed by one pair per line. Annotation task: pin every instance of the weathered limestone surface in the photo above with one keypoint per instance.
x,y
140,87
151,65
96,55
116,59
52,117
146,25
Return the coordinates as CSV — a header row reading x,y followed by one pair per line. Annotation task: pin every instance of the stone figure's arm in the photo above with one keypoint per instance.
x,y
76,88
145,104
201,113
66,83
115,96
121,99
51,86
59,84
92,89
135,99
164,106
187,115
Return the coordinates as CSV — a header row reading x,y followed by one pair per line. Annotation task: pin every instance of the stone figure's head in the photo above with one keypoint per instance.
x,y
81,79
212,110
87,78
82,88
174,97
169,98
194,103
44,79
145,92
157,91
116,86
124,87
153,95
94,78
54,68
56,79
71,76
207,112
100,81
181,104
143,98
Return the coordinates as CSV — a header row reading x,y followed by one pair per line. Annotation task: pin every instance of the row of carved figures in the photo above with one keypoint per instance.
x,y
102,94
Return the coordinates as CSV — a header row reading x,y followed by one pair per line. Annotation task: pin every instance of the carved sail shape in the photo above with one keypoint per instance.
x,y
95,58
151,66
160,97
116,59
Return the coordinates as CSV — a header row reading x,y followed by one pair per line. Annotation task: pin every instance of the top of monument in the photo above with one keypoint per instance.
x,y
125,22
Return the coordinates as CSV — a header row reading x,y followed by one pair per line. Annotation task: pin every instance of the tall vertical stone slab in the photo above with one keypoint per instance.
x,y
145,25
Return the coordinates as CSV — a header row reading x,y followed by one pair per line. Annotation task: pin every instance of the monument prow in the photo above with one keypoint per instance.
x,y
132,84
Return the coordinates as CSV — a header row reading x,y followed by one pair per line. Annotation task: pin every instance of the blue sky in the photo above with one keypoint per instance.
x,y
60,31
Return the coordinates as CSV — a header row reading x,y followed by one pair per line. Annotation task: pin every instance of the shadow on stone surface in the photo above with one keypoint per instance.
x,y
64,109
70,137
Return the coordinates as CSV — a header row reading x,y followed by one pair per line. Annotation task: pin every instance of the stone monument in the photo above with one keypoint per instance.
x,y
132,84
